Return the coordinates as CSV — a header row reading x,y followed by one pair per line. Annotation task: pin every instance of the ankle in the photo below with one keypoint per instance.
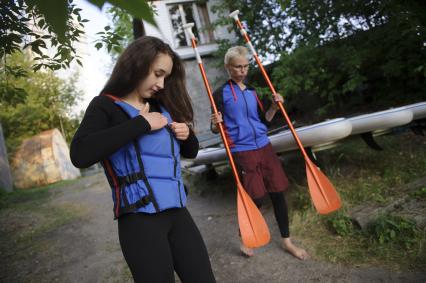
x,y
286,242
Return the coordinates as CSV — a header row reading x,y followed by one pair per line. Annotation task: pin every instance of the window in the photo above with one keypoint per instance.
x,y
190,12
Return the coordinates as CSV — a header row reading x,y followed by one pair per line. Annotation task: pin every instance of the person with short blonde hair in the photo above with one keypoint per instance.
x,y
234,52
245,120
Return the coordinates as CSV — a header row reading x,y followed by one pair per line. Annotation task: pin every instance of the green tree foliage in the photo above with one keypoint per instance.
x,y
265,21
32,102
339,57
25,27
48,30
354,56
116,36
55,24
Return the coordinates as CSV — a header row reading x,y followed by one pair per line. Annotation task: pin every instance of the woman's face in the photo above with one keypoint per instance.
x,y
161,68
238,68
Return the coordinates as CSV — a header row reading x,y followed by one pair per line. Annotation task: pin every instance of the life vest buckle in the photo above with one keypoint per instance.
x,y
131,178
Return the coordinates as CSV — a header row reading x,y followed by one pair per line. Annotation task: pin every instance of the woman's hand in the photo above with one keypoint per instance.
x,y
216,118
181,130
155,119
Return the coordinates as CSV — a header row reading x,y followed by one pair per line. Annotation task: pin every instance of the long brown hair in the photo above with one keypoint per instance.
x,y
134,65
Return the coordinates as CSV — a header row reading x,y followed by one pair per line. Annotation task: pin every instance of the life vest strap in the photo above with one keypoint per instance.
x,y
145,180
135,206
131,178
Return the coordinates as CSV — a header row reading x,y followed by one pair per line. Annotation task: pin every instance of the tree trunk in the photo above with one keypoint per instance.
x,y
138,28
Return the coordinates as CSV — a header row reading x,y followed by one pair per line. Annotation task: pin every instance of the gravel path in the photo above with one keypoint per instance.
x,y
87,249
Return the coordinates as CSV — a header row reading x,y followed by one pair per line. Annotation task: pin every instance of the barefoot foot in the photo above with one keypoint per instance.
x,y
248,252
297,252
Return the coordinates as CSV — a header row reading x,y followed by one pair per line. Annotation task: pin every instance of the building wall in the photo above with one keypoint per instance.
x,y
216,75
165,32
198,92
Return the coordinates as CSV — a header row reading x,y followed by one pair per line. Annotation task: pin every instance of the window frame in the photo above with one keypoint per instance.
x,y
197,19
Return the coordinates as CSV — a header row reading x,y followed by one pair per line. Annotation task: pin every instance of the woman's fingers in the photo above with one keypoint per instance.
x,y
155,119
181,130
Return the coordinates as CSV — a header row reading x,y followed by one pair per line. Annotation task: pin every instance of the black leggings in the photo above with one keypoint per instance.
x,y
280,211
156,244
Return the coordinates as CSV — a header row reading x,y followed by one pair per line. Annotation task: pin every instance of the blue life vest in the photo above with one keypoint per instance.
x,y
244,127
145,175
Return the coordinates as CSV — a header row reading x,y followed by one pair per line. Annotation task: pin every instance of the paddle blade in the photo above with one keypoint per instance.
x,y
253,228
323,194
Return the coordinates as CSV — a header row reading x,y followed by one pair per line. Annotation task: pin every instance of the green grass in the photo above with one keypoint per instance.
x,y
362,175
29,196
419,194
358,248
29,215
49,218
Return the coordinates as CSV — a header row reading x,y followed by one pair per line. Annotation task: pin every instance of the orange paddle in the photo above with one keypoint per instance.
x,y
323,193
253,228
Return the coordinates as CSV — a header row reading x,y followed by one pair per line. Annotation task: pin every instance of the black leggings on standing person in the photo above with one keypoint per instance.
x,y
156,244
280,210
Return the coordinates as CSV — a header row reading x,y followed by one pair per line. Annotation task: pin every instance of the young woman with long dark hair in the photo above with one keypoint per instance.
x,y
137,128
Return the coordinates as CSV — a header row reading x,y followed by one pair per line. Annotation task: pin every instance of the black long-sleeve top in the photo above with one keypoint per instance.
x,y
105,128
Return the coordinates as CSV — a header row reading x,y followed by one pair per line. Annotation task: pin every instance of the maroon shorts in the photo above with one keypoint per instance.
x,y
261,171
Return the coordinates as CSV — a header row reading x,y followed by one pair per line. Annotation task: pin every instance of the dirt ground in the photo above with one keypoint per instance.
x,y
86,249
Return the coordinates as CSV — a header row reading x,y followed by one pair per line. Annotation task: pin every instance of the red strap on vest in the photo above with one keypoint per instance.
x,y
227,136
259,102
116,187
254,93
233,91
115,98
